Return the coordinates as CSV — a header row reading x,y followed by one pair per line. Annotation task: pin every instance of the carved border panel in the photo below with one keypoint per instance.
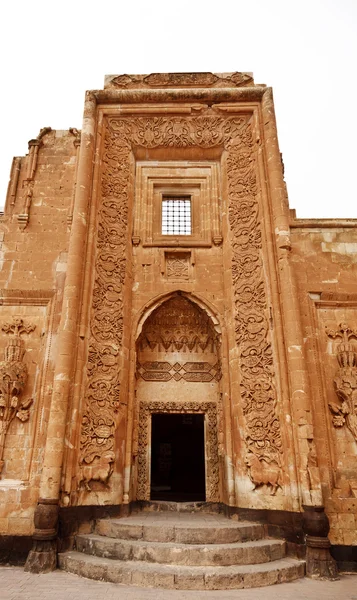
x,y
211,440
262,427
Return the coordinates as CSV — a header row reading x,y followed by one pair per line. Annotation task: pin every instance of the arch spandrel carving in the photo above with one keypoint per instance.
x,y
258,394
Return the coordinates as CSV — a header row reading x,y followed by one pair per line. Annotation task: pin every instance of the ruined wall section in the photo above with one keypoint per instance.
x,y
37,214
34,233
324,256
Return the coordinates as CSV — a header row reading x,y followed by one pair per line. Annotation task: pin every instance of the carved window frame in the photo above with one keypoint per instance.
x,y
209,410
154,181
182,217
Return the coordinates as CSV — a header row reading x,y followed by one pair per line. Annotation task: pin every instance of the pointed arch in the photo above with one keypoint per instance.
x,y
158,301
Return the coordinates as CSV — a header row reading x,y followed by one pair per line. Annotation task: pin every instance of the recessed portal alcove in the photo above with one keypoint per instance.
x,y
178,390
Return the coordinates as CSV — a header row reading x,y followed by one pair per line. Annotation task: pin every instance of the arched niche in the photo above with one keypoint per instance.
x,y
178,371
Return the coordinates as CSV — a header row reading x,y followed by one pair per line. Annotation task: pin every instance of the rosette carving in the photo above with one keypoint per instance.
x,y
13,378
263,437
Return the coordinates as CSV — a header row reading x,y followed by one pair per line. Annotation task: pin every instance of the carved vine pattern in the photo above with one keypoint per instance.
x,y
211,440
13,378
345,380
263,435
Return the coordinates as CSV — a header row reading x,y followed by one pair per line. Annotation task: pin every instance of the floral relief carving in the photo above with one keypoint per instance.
x,y
102,405
212,459
13,378
345,380
263,436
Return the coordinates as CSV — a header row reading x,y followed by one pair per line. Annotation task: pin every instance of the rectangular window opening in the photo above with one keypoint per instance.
x,y
176,215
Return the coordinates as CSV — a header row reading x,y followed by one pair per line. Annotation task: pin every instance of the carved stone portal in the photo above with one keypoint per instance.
x,y
13,378
345,380
209,409
101,413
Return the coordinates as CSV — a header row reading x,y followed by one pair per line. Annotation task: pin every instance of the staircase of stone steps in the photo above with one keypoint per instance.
x,y
181,550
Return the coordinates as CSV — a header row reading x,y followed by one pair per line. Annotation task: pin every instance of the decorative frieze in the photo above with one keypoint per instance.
x,y
160,80
202,372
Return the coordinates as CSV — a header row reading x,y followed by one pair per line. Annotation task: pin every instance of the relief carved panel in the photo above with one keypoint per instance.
x,y
236,79
209,409
177,265
13,378
262,427
345,413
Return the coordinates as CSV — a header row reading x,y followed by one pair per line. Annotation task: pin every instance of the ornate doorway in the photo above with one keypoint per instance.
x,y
178,382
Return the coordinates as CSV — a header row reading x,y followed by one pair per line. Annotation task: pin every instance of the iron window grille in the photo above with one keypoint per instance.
x,y
176,215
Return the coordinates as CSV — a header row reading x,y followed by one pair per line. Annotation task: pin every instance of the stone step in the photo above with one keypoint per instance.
x,y
182,554
146,574
187,531
186,507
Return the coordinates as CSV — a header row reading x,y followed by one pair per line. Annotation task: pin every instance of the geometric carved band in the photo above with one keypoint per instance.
x,y
189,371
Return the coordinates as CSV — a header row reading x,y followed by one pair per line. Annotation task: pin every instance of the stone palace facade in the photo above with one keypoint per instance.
x,y
169,330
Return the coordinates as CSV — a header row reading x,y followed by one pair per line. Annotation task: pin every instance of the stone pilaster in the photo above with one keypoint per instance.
x,y
42,557
300,397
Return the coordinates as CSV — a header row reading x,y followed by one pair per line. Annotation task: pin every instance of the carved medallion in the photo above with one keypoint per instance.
x,y
177,265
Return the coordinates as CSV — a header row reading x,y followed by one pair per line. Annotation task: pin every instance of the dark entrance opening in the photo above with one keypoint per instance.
x,y
177,457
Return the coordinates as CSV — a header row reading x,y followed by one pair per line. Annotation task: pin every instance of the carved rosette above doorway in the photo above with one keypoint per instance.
x,y
209,409
100,416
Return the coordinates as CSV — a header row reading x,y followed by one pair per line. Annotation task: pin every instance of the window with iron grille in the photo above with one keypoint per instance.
x,y
176,215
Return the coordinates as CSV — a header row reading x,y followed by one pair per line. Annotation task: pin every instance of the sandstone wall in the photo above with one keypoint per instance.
x,y
324,255
34,234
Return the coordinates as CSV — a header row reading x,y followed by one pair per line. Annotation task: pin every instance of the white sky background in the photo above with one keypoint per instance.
x,y
51,52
